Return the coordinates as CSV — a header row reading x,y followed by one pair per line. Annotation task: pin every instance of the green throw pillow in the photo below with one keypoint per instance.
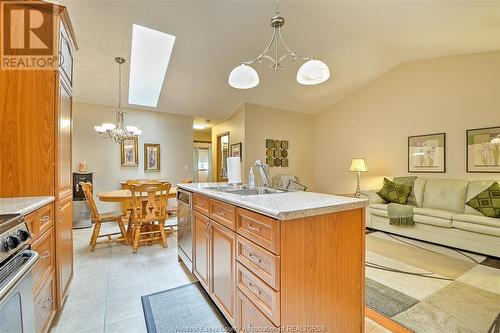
x,y
488,201
393,192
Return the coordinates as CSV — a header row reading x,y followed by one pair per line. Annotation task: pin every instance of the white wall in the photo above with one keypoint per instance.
x,y
450,94
263,123
173,132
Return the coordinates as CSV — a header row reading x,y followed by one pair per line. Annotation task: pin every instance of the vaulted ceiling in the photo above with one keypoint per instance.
x,y
359,40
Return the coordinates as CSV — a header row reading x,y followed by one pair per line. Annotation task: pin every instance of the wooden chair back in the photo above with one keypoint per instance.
x,y
87,191
136,182
149,201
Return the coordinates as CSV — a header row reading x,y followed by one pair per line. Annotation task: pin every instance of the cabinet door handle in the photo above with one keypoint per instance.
x,y
61,213
251,227
254,258
221,213
206,230
253,288
61,58
45,219
45,255
47,302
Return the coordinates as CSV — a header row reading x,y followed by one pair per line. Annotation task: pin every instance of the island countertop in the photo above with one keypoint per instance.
x,y
281,206
23,205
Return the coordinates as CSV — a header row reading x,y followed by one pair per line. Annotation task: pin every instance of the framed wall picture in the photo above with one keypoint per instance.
x,y
236,150
129,152
483,150
151,157
427,153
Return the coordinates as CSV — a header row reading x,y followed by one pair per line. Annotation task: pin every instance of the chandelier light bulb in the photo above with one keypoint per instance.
x,y
243,77
313,72
99,129
108,126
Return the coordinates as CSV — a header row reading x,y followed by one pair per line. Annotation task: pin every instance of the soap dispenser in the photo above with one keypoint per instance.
x,y
251,178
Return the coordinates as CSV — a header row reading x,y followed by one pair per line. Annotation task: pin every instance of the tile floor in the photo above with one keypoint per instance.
x,y
105,295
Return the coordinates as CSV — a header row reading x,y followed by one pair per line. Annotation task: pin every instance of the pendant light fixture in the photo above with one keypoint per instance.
x,y
310,73
118,131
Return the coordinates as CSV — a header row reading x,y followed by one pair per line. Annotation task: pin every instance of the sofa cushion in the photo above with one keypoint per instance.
x,y
418,189
488,201
432,220
379,206
477,219
476,187
478,228
443,214
379,212
408,181
372,196
445,194
393,192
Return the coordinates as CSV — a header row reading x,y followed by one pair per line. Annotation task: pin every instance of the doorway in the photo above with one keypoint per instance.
x,y
222,154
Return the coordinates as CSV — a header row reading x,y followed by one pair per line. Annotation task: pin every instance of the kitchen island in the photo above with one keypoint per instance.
x,y
291,261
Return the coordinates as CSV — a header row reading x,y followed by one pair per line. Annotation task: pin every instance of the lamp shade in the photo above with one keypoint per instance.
x,y
313,72
243,77
358,165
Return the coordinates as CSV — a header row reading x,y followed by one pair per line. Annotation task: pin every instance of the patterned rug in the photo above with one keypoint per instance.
x,y
432,289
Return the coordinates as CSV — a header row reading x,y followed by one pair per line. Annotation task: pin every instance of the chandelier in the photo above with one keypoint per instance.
x,y
118,131
310,73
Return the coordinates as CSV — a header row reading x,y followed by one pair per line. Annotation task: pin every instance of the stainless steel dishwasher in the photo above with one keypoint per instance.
x,y
185,227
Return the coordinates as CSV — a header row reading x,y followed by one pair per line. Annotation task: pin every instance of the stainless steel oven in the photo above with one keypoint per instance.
x,y
185,227
17,314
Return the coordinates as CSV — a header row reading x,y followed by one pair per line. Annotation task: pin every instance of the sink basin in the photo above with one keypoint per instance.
x,y
244,190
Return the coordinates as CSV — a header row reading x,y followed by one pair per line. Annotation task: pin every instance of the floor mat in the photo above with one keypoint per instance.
x,y
183,309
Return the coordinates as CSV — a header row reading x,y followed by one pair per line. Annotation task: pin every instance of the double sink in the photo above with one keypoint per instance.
x,y
244,190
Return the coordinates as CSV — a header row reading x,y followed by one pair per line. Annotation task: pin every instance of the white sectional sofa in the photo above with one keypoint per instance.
x,y
441,215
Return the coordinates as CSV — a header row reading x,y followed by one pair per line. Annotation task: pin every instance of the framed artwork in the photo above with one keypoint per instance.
x,y
277,153
129,154
427,153
483,150
151,157
236,150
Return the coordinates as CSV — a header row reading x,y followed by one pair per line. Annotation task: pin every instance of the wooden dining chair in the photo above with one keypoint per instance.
x,y
149,213
99,218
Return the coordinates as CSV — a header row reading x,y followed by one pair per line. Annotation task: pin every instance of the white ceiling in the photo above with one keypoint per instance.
x,y
359,40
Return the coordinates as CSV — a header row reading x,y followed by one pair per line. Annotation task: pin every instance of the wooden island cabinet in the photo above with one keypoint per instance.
x,y
35,150
265,274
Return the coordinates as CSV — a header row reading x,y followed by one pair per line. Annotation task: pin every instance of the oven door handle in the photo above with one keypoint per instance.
x,y
20,273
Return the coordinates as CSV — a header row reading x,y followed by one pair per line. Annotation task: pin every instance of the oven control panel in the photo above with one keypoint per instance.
x,y
11,240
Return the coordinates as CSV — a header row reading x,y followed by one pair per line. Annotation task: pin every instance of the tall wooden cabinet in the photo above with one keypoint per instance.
x,y
35,153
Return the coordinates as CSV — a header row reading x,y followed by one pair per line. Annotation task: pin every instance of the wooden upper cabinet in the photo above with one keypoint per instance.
x,y
27,142
223,269
201,245
64,140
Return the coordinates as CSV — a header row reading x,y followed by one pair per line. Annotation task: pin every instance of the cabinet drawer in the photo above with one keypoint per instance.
x,y
201,204
261,262
44,305
45,218
265,298
223,213
259,229
251,319
44,246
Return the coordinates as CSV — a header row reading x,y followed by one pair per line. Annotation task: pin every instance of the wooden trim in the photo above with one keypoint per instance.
x,y
385,322
201,141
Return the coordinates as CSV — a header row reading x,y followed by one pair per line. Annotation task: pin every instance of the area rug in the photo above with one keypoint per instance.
x,y
186,308
432,289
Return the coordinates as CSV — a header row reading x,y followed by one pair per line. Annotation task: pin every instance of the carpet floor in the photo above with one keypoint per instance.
x,y
432,289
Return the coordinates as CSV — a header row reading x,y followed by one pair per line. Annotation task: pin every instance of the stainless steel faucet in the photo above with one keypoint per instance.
x,y
264,172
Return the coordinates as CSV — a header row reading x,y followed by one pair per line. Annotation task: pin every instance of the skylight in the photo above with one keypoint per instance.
x,y
151,50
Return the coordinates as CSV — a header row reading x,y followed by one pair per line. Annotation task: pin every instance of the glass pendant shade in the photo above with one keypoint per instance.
x,y
243,77
313,72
